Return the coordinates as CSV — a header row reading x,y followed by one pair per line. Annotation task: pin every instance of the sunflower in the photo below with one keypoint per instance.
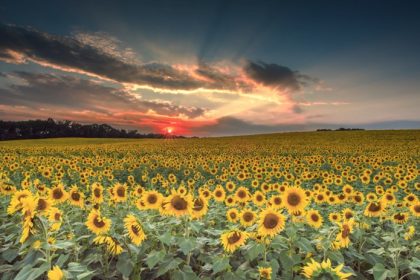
x,y
324,270
112,245
415,210
388,199
151,199
342,239
58,194
265,272
270,222
134,229
230,186
55,217
55,273
347,214
374,209
43,204
276,202
314,219
410,233
200,208
358,198
97,193
77,198
371,197
233,239
400,218
294,199
232,215
219,194
177,205
247,217
411,198
334,217
242,195
258,198
119,192
97,224
230,201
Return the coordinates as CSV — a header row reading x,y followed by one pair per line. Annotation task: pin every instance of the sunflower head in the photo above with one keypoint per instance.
x,y
270,222
233,239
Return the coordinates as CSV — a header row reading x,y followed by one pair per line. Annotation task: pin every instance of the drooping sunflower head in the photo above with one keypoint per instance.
x,y
324,270
97,193
270,222
134,229
98,224
415,209
55,273
233,239
265,272
200,207
294,199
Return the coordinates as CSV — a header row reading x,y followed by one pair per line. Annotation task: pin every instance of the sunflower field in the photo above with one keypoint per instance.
x,y
313,205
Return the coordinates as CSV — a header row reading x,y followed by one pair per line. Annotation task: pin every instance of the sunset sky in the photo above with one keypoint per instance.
x,y
210,68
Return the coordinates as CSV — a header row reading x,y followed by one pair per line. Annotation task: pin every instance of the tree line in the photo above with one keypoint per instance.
x,y
50,128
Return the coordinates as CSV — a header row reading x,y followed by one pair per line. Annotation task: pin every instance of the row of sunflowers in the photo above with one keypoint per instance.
x,y
336,205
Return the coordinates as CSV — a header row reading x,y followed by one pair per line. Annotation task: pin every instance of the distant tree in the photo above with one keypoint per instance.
x,y
50,128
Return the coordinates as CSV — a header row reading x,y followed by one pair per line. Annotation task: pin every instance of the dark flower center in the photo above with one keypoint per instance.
x,y
270,221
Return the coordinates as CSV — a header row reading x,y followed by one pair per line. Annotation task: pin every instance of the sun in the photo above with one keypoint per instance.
x,y
169,130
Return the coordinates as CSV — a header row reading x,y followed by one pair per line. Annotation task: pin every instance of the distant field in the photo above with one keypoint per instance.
x,y
250,207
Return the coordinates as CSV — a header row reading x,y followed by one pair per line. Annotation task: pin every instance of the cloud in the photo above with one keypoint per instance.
x,y
101,55
68,93
275,75
70,54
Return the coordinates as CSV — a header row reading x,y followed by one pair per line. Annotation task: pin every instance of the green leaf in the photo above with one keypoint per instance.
x,y
124,265
186,245
305,245
10,254
254,250
85,276
62,245
220,264
378,251
379,272
154,257
165,267
166,238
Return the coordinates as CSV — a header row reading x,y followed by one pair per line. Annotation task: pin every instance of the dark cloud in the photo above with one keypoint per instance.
x,y
72,93
276,75
67,52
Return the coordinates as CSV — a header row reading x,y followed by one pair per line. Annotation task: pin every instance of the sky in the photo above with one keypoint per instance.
x,y
212,68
